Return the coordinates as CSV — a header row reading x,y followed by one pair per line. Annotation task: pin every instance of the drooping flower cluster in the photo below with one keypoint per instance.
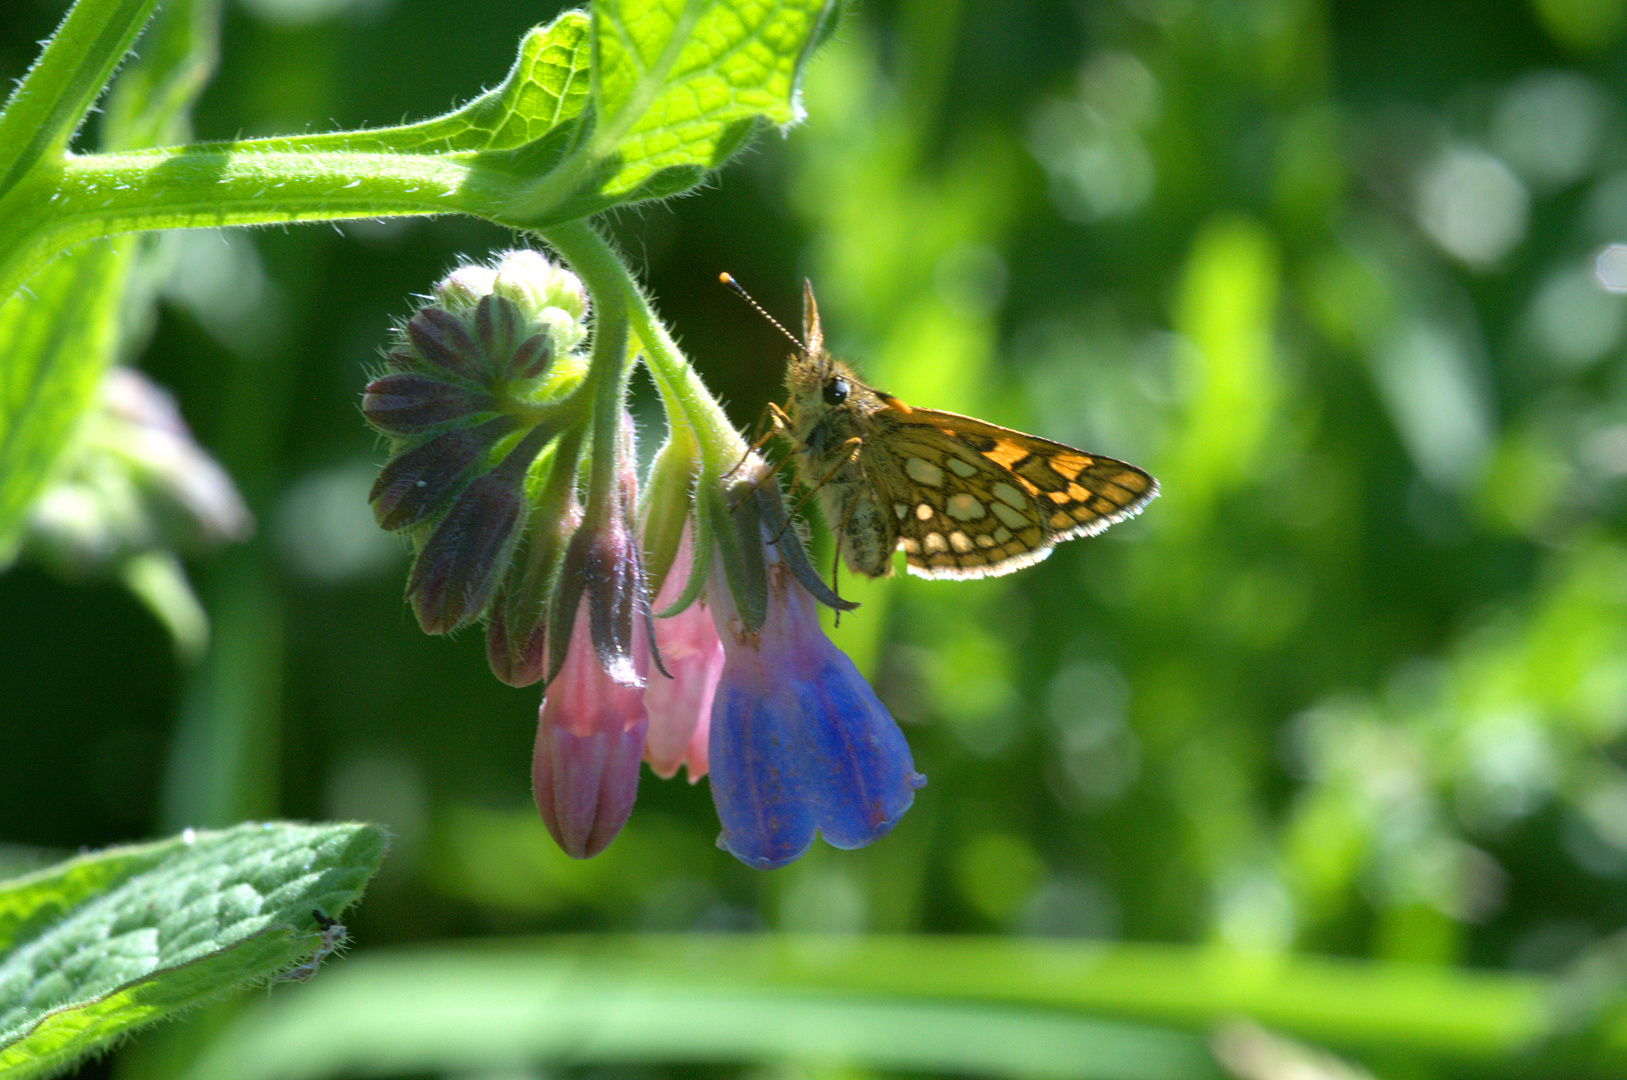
x,y
513,472
132,493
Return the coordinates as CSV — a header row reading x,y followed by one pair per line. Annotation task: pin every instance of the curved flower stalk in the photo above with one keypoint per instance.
x,y
513,473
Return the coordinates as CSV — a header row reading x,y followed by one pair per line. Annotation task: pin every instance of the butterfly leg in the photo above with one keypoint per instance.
x,y
839,527
836,556
779,427
777,422
811,489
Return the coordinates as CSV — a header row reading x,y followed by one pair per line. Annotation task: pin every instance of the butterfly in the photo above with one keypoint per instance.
x,y
961,497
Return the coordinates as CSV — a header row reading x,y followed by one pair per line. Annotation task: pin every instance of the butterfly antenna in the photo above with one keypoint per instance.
x,y
729,280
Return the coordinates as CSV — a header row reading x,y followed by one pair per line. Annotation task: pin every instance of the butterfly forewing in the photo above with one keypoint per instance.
x,y
978,500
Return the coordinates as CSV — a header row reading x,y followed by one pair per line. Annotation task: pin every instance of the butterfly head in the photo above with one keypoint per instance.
x,y
819,383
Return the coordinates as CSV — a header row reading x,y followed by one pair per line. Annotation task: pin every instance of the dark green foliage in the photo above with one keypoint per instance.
x,y
1355,686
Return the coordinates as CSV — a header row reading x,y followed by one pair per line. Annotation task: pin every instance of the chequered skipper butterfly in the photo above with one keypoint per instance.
x,y
961,497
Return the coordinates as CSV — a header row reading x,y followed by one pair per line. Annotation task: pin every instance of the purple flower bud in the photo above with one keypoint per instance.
x,y
132,483
549,298
516,647
418,484
183,492
593,722
459,566
604,561
530,358
443,341
405,404
517,621
498,327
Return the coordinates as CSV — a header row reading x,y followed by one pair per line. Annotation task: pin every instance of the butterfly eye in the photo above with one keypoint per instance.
x,y
836,391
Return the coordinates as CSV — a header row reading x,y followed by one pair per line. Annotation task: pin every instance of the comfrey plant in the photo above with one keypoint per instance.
x,y
513,471
673,623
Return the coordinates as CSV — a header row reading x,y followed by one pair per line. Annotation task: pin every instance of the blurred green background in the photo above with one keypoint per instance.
x,y
1338,274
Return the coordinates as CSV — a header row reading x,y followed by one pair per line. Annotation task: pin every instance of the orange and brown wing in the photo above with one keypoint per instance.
x,y
983,500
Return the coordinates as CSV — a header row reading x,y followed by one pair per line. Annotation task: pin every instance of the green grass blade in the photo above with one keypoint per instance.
x,y
475,1011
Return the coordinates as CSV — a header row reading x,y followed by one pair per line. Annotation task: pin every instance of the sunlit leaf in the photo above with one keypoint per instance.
x,y
113,941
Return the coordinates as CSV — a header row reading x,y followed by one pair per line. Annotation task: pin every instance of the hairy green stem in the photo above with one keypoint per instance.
x,y
693,414
213,185
51,101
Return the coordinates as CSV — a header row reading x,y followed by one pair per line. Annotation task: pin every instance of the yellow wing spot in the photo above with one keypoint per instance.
x,y
1077,493
1006,453
1011,517
933,543
1122,495
984,540
909,544
1069,466
1061,520
964,506
924,511
959,541
923,471
1009,495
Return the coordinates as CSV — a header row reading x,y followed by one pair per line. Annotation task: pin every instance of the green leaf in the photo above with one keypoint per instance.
x,y
635,102
674,91
544,93
112,941
49,104
917,1003
58,335
150,103
677,89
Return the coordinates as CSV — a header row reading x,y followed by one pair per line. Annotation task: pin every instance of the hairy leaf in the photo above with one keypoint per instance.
x,y
115,940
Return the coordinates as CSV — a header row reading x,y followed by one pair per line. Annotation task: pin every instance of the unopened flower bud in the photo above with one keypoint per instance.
x,y
590,739
476,391
517,621
467,551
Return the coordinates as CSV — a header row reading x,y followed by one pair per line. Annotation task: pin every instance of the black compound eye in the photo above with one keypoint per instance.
x,y
836,391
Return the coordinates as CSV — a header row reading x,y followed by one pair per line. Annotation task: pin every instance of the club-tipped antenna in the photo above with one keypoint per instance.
x,y
729,280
